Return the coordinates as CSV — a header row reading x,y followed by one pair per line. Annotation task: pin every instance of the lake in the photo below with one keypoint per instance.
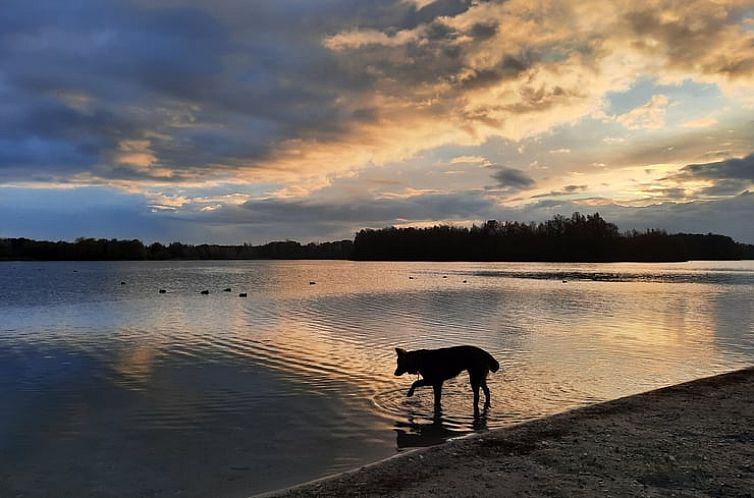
x,y
109,388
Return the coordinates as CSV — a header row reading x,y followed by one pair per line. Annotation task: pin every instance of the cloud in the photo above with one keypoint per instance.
x,y
322,219
714,180
567,190
357,39
512,178
725,188
694,217
420,4
700,36
699,122
279,98
83,79
190,95
469,160
67,214
721,178
735,169
649,116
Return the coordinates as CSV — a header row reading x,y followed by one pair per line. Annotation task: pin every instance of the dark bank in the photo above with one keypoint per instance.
x,y
577,238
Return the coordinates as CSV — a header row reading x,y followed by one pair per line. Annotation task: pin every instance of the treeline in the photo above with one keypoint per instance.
x,y
578,238
85,249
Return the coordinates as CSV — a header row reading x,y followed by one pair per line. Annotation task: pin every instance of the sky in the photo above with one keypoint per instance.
x,y
232,121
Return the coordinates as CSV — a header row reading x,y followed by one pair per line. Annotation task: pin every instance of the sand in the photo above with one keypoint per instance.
x,y
690,440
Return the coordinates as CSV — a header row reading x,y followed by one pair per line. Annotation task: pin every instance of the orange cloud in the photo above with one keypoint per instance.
x,y
515,70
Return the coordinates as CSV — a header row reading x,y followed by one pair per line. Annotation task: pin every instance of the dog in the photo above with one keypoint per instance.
x,y
438,365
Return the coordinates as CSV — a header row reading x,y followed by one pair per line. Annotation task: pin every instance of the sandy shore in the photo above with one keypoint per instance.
x,y
694,439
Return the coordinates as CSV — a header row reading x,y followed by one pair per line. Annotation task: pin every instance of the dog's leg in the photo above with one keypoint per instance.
x,y
418,383
476,381
437,416
438,394
486,393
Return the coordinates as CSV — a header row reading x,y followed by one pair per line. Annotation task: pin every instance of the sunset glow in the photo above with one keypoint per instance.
x,y
239,122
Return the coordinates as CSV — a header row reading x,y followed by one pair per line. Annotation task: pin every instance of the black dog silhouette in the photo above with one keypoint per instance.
x,y
438,365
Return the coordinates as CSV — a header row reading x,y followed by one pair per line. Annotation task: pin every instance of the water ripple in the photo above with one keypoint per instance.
x,y
297,380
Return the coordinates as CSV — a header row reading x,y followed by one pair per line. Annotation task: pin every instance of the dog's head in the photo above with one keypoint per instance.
x,y
406,362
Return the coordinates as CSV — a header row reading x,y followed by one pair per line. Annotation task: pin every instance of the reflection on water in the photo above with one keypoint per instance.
x,y
415,432
120,390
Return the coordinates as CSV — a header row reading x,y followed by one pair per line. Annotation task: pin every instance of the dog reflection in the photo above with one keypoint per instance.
x,y
412,434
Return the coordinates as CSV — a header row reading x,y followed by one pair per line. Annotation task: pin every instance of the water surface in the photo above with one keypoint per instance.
x,y
110,389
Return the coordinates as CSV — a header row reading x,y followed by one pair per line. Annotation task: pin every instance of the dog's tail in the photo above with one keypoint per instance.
x,y
494,365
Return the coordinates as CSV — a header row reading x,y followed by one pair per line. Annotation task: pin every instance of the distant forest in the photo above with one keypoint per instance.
x,y
577,238
114,250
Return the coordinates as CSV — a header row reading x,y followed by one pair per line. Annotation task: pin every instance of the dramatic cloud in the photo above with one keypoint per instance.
x,y
735,169
722,178
203,108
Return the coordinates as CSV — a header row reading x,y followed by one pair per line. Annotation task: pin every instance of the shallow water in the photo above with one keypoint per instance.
x,y
110,389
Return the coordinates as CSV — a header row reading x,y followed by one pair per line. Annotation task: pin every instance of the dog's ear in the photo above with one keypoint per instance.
x,y
400,351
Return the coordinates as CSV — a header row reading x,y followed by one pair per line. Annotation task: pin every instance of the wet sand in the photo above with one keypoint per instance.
x,y
690,440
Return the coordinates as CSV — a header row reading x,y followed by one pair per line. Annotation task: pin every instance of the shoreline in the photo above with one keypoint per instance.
x,y
689,439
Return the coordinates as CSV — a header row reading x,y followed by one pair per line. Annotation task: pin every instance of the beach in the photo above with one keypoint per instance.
x,y
688,440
